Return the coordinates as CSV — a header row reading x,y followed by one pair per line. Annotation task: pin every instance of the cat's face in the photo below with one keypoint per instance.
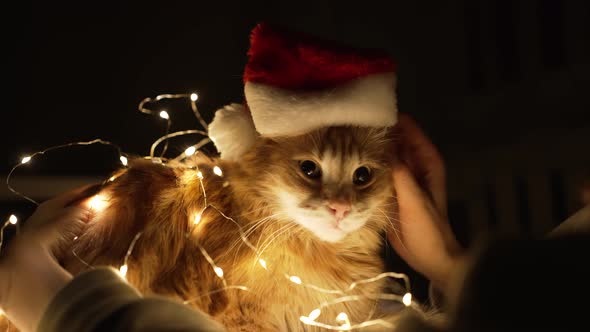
x,y
332,181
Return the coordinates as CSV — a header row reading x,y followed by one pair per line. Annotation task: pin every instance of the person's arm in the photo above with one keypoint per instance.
x,y
100,300
423,237
30,274
510,285
36,293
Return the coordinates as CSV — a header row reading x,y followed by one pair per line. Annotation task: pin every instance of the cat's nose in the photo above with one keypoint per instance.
x,y
339,209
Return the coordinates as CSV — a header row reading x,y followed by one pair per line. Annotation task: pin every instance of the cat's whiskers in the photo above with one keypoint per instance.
x,y
250,230
271,236
395,230
258,223
389,220
276,234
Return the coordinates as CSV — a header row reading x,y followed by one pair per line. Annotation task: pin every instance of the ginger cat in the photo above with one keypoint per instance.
x,y
315,206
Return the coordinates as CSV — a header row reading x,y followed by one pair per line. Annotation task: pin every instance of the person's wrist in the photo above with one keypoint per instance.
x,y
446,280
29,282
453,280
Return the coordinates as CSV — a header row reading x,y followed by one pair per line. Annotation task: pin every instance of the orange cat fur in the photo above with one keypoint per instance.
x,y
284,213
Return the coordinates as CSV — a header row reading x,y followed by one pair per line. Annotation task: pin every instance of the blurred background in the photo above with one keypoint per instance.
x,y
502,87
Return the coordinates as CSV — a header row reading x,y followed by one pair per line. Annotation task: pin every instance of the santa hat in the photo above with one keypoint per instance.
x,y
295,83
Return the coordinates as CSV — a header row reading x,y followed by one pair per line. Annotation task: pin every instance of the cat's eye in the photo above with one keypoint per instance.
x,y
361,176
310,169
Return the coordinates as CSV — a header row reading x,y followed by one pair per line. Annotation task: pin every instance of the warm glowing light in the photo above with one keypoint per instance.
x,y
306,320
123,270
101,201
314,314
217,171
98,202
197,219
407,299
343,317
190,151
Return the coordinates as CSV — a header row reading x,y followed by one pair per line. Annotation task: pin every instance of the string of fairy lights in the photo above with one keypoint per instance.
x,y
99,202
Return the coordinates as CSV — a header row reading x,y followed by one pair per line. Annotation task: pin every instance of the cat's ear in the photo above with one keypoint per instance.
x,y
232,131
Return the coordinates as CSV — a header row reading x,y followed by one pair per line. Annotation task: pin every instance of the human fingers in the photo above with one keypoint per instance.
x,y
49,209
422,238
417,215
69,220
426,162
66,229
70,197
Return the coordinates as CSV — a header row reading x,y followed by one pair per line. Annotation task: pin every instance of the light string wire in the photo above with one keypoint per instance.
x,y
345,325
12,220
309,320
27,159
164,114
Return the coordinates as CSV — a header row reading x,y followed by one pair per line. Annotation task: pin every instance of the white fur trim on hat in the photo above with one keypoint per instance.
x,y
232,131
368,101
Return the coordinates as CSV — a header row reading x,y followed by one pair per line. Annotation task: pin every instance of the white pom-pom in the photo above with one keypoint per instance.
x,y
232,131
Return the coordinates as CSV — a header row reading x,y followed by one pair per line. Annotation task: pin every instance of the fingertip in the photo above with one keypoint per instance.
x,y
400,171
77,196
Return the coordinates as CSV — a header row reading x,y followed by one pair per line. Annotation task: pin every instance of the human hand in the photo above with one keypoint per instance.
x,y
423,236
30,274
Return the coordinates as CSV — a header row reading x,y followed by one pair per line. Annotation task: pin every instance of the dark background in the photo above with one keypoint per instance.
x,y
501,87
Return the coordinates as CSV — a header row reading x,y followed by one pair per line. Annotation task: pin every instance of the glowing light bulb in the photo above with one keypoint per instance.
x,y
75,238
13,219
343,317
123,270
407,299
200,175
305,320
314,314
112,178
164,115
262,263
123,160
217,171
98,202
194,96
295,279
197,219
218,271
190,151
25,160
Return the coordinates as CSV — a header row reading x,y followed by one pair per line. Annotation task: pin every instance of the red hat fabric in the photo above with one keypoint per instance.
x,y
290,60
